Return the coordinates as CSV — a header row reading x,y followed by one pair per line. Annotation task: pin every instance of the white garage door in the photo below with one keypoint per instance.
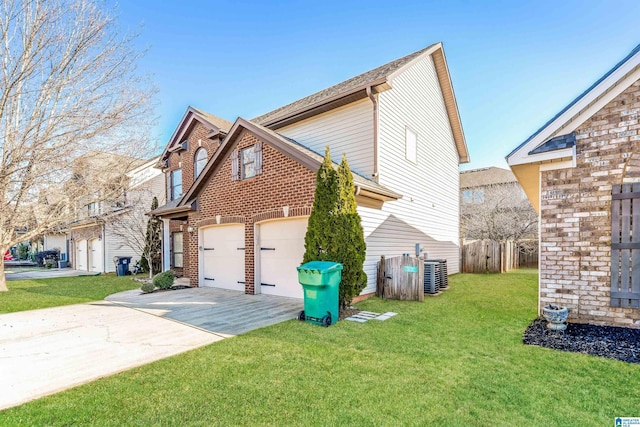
x,y
281,251
222,257
95,255
81,255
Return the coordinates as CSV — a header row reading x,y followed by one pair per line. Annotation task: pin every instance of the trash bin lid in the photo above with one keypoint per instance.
x,y
320,266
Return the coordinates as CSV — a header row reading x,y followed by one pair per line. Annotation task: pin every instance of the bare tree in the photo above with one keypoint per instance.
x,y
138,231
68,86
498,212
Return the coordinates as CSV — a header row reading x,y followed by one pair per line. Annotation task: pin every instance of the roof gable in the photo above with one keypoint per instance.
x,y
287,146
216,124
606,88
361,86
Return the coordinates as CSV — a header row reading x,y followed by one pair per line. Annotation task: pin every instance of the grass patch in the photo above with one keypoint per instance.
x,y
43,293
457,359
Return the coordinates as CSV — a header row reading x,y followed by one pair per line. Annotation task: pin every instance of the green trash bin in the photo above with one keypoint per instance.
x,y
320,281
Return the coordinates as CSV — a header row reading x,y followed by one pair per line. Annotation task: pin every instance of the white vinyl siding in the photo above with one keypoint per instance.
x,y
56,241
348,130
150,185
428,212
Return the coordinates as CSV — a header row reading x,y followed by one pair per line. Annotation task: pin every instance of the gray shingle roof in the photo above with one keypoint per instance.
x,y
556,143
220,123
358,81
486,176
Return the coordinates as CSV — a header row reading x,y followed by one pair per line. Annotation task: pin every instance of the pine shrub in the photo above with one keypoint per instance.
x,y
164,280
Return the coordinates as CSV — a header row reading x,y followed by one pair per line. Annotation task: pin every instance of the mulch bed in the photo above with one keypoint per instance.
x,y
348,312
604,341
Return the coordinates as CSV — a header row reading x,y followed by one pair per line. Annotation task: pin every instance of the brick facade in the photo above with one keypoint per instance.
x,y
185,160
283,182
575,209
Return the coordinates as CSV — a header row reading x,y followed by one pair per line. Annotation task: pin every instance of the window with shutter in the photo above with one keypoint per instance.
x,y
258,158
234,166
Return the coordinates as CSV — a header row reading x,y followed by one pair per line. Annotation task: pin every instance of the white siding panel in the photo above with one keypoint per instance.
x,y
56,241
346,130
428,213
386,234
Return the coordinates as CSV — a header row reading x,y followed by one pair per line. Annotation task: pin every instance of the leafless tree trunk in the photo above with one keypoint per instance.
x,y
68,88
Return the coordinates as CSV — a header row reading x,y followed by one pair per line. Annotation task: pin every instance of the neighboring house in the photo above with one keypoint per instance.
x,y
581,171
239,222
474,182
97,236
494,206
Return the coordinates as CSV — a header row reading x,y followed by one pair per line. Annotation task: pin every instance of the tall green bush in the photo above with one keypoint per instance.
x,y
335,232
322,222
351,247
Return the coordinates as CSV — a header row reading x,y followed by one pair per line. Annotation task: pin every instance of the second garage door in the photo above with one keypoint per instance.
x,y
222,257
281,248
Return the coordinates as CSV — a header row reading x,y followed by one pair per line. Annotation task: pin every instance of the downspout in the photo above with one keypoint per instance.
x,y
373,99
104,247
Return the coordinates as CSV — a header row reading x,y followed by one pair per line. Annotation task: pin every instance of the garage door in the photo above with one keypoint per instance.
x,y
95,255
81,255
281,251
222,257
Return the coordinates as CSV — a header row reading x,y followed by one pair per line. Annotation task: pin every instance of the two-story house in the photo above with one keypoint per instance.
x,y
237,220
106,224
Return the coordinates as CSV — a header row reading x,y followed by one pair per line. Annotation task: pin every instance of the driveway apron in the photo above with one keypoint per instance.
x,y
50,350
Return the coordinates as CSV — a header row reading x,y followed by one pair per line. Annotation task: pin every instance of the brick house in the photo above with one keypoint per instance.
x,y
237,220
581,172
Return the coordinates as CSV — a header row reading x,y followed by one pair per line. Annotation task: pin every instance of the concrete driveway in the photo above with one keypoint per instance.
x,y
32,273
221,311
46,351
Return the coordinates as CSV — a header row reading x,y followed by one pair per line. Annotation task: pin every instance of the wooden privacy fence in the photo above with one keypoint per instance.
x,y
625,245
488,256
401,278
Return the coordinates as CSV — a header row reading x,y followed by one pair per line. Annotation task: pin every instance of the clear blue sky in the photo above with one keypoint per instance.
x,y
514,64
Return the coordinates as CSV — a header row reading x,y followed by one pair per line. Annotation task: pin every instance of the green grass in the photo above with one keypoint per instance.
x,y
43,293
457,359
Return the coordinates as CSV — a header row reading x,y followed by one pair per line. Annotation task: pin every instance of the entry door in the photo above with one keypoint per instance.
x,y
281,251
222,257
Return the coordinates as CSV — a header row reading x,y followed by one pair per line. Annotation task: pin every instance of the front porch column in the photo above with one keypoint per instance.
x,y
166,246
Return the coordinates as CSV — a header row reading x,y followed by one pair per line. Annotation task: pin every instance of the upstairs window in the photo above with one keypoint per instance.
x,y
246,163
200,161
411,145
175,184
92,209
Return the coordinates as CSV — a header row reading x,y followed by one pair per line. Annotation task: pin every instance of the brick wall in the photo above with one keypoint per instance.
x,y
284,182
575,211
184,160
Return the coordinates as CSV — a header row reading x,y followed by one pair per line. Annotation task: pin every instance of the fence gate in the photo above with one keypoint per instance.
x,y
401,277
625,245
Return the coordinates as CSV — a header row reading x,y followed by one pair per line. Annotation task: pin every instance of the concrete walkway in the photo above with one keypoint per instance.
x,y
217,310
46,351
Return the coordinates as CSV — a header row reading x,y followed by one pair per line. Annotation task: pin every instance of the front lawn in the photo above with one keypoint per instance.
x,y
43,293
456,359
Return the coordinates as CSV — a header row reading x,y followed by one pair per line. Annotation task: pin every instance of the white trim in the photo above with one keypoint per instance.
x,y
547,156
256,259
166,255
429,52
591,103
